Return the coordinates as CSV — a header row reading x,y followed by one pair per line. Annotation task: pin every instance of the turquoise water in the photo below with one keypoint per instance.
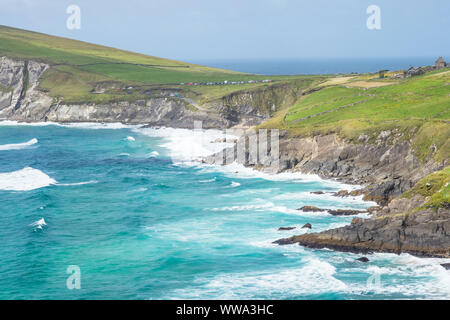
x,y
141,224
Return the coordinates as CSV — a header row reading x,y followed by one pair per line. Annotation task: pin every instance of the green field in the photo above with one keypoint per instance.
x,y
418,108
78,67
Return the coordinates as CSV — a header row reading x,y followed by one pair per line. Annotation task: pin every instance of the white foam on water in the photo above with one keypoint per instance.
x,y
18,146
39,224
80,125
124,154
235,184
404,275
96,125
239,171
186,146
314,277
208,180
267,206
348,201
153,154
31,124
77,183
130,138
24,180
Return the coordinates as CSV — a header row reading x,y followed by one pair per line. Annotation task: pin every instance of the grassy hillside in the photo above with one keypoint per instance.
x,y
436,186
417,108
78,69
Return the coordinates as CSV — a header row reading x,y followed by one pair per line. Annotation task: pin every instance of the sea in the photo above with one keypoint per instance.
x,y
111,211
310,66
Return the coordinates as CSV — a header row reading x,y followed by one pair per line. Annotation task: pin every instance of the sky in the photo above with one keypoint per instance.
x,y
245,29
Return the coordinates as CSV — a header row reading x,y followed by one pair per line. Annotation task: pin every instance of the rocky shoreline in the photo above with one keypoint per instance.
x,y
384,165
386,169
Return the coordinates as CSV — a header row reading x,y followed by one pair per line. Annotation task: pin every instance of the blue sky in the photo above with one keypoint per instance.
x,y
245,29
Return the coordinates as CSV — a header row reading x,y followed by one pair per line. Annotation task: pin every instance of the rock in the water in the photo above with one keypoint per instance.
x,y
374,209
363,259
356,193
286,228
342,212
311,209
446,266
307,226
317,192
341,193
423,233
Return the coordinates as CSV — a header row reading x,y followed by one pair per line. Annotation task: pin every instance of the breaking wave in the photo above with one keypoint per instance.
x,y
18,146
25,180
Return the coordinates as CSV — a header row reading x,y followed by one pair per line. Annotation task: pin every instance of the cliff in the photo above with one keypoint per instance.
x,y
22,99
384,168
389,173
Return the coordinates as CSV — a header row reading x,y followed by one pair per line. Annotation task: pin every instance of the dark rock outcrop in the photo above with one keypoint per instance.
x,y
307,226
446,266
311,209
423,233
345,212
363,259
285,228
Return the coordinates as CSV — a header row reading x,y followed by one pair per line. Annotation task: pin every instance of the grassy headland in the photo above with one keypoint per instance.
x,y
80,70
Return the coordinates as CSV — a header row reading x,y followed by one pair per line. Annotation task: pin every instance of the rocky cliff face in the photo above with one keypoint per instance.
x,y
21,100
251,107
385,169
19,80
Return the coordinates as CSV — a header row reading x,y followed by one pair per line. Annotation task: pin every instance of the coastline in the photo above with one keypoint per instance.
x,y
312,263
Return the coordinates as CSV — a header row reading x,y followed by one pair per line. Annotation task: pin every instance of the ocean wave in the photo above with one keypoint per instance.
x,y
130,138
24,180
153,154
77,183
186,146
208,180
268,206
18,146
79,125
235,184
425,276
39,224
239,171
314,277
338,202
96,125
31,124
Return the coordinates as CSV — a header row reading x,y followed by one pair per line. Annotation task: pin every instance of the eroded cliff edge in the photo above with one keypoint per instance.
x,y
389,172
22,99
